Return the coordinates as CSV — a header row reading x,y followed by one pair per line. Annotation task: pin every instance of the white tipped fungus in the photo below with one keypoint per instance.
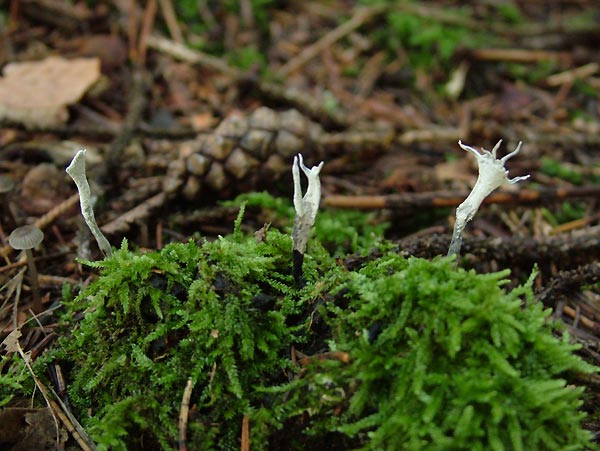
x,y
77,172
306,207
492,175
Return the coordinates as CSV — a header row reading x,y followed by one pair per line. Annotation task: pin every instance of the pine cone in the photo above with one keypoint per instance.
x,y
250,153
241,152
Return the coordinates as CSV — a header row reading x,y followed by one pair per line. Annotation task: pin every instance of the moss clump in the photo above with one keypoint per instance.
x,y
439,358
219,313
443,359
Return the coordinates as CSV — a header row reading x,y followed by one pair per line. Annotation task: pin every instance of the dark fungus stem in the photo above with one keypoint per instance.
x,y
35,286
297,260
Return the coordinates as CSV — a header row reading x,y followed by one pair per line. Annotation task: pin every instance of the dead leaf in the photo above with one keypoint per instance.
x,y
11,342
261,234
37,93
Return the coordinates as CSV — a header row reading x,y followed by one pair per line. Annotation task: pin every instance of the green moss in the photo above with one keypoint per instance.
x,y
509,12
564,213
247,58
442,359
554,168
530,73
428,41
339,231
14,378
219,313
439,358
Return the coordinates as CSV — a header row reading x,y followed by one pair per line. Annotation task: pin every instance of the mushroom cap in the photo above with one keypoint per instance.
x,y
6,184
26,237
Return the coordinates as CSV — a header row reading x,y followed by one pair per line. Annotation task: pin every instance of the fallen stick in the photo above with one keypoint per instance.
x,y
441,199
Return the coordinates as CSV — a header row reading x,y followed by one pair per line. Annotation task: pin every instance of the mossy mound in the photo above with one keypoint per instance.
x,y
444,359
439,358
221,314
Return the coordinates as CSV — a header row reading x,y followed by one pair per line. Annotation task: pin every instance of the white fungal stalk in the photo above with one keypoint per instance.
x,y
492,175
77,172
306,209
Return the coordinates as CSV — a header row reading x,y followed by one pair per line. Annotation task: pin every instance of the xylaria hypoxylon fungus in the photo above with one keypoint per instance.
x,y
77,172
492,175
306,210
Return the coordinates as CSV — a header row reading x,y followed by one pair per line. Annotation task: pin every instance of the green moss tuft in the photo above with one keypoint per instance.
x,y
444,359
340,231
219,313
439,358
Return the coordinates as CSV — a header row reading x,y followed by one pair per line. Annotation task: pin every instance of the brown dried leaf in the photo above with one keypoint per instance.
x,y
37,93
11,342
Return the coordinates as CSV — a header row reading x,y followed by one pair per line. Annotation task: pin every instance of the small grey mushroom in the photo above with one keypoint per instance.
x,y
25,238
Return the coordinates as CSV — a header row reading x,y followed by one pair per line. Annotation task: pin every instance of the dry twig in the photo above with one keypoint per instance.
x,y
141,211
332,355
578,318
183,415
245,439
571,75
147,26
441,199
171,19
564,252
567,281
519,55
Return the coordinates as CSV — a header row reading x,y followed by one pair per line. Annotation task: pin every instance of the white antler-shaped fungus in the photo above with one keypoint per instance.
x,y
306,209
492,175
77,172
